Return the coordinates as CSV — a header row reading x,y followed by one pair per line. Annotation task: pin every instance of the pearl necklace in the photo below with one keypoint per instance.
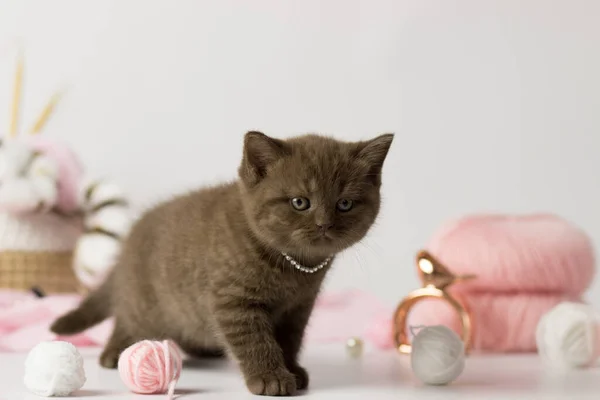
x,y
302,268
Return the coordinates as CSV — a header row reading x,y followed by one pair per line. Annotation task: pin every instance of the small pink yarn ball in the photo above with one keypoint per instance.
x,y
151,367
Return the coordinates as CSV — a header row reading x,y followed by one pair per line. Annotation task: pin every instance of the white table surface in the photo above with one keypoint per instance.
x,y
376,375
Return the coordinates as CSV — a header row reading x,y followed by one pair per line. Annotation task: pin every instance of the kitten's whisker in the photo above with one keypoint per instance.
x,y
367,246
359,261
366,243
359,256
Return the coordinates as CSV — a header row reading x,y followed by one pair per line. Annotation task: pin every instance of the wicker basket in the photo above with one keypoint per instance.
x,y
36,251
49,271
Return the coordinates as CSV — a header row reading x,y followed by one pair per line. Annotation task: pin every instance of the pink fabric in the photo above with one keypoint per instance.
x,y
70,170
525,265
339,316
25,320
380,331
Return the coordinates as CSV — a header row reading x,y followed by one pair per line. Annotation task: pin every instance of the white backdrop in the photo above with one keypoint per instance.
x,y
496,104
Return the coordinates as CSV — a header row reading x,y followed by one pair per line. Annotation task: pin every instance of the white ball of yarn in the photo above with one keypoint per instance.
x,y
54,369
566,335
437,355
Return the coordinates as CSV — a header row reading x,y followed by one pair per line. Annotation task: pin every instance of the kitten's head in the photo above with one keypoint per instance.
x,y
311,195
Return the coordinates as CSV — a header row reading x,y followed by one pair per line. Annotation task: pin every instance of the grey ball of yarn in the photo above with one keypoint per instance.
x,y
437,355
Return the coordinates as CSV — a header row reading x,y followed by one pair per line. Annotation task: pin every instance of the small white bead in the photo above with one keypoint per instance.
x,y
354,347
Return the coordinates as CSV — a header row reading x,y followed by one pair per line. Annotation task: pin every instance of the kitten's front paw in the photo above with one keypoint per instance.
x,y
109,358
301,376
275,383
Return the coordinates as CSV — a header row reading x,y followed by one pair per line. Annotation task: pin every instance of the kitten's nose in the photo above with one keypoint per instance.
x,y
323,227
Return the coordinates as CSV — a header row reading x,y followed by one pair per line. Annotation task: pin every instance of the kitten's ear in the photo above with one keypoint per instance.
x,y
260,151
374,153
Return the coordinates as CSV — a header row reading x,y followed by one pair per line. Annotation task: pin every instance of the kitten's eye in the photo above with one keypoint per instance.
x,y
344,205
300,203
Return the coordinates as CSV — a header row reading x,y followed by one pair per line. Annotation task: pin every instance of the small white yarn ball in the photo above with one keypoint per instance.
x,y
566,335
54,369
437,355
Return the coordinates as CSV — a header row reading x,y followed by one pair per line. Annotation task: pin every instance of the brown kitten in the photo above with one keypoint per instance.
x,y
207,270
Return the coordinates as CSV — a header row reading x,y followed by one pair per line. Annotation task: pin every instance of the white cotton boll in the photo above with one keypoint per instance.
x,y
18,195
115,219
47,191
43,166
438,355
102,191
24,188
107,191
14,156
54,369
566,336
94,257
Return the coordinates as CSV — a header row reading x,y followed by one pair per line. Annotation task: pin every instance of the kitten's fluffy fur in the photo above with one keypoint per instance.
x,y
206,269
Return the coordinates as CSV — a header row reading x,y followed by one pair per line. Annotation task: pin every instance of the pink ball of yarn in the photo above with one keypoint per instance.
x,y
151,367
508,253
524,266
503,323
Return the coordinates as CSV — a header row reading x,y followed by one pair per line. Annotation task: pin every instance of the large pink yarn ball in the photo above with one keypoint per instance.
x,y
525,265
151,367
502,322
517,253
